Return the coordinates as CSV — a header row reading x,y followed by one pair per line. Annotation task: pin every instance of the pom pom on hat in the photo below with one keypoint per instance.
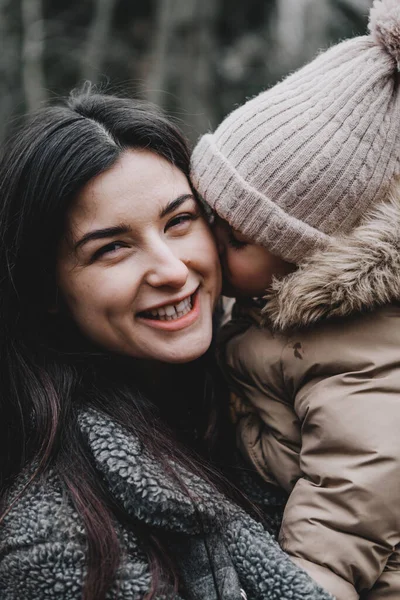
x,y
384,25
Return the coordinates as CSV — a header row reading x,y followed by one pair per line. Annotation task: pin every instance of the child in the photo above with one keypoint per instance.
x,y
303,179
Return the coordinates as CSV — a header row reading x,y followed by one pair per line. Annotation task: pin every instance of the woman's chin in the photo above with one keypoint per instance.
x,y
191,349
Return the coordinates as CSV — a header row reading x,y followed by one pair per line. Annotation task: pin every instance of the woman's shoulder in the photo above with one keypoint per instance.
x,y
43,546
41,542
39,509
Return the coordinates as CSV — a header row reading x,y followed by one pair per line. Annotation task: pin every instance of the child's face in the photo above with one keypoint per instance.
x,y
247,268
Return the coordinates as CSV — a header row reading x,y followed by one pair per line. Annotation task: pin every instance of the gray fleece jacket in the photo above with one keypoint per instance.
x,y
42,541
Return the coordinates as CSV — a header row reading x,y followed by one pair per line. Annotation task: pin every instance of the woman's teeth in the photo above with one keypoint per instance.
x,y
170,311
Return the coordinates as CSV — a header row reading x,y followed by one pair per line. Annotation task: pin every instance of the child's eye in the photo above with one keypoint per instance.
x,y
234,242
108,249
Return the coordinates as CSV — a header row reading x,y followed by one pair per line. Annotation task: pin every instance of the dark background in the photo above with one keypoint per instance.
x,y
196,58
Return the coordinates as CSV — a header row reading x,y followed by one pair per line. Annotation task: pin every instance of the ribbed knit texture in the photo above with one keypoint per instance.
x,y
306,159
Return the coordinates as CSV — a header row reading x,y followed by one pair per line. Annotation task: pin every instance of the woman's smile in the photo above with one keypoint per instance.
x,y
138,267
175,315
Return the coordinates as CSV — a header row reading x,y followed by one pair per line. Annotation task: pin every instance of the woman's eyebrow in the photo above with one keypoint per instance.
x,y
99,234
175,204
108,232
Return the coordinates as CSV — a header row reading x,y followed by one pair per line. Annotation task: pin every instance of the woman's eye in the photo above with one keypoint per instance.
x,y
108,249
181,222
235,243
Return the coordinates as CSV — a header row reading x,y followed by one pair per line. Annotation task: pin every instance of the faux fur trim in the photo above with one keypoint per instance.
x,y
357,272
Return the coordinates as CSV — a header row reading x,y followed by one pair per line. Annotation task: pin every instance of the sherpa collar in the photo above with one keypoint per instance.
x,y
147,492
357,272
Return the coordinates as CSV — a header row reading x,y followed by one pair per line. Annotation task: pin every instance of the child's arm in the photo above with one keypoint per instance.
x,y
342,520
267,428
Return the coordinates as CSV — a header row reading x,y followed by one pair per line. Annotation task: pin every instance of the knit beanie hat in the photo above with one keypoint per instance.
x,y
304,160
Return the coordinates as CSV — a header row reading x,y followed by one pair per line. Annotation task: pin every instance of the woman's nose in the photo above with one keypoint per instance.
x,y
167,269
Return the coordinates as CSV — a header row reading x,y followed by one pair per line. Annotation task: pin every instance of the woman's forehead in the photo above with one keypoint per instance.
x,y
137,187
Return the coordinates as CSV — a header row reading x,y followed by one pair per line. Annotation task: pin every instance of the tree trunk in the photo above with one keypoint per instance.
x,y
300,31
182,72
96,43
9,65
32,53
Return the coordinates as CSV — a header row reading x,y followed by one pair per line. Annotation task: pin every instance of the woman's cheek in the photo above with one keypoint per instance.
x,y
211,257
114,285
210,243
90,290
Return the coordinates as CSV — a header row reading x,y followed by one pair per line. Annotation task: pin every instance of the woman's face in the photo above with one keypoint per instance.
x,y
138,267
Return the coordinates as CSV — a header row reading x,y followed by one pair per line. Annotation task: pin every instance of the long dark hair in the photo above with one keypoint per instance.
x,y
46,370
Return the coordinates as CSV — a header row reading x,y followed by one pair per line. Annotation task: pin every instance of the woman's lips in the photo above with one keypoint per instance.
x,y
180,322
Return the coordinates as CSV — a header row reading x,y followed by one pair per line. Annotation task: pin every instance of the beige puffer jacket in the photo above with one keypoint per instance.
x,y
318,406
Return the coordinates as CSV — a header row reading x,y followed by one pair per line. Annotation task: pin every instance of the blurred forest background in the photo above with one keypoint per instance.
x,y
195,58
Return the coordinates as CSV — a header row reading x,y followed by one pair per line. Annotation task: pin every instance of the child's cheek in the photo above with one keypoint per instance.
x,y
238,266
